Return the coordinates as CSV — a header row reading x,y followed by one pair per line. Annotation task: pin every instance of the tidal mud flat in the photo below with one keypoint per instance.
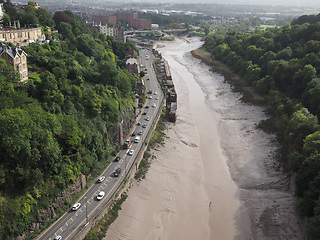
x,y
217,176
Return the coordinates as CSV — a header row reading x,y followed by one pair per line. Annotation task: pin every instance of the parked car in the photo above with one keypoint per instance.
x,y
147,106
157,98
100,195
58,237
154,105
101,179
117,159
131,152
150,97
117,172
76,206
155,93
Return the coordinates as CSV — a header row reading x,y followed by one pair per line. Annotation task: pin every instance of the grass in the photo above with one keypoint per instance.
x,y
99,231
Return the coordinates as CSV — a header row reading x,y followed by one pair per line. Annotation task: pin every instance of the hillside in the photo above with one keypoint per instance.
x,y
62,122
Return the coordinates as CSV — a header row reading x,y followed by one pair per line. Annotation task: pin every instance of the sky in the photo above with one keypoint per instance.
x,y
298,3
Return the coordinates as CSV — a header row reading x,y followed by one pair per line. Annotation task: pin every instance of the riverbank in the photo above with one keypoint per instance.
x,y
249,95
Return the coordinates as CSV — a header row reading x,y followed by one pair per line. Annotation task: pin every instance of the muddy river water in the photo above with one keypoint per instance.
x,y
216,177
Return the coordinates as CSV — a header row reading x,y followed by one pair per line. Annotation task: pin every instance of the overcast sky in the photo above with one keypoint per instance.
x,y
299,3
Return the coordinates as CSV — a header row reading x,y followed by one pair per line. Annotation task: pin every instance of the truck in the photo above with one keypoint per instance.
x,y
126,144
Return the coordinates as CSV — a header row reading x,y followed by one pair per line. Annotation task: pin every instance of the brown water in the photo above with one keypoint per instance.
x,y
216,176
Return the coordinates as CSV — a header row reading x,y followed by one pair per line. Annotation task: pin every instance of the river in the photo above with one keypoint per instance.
x,y
216,176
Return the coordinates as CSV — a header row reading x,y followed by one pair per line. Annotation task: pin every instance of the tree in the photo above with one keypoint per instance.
x,y
300,125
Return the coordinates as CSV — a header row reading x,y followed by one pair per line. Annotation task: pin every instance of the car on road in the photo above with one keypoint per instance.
x,y
148,79
145,69
144,113
133,134
100,195
58,237
157,98
76,206
155,93
117,172
154,105
147,106
131,152
117,159
147,118
139,123
101,179
144,125
150,97
140,132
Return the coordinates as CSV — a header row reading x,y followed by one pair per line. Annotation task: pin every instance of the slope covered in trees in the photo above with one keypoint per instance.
x,y
57,125
284,65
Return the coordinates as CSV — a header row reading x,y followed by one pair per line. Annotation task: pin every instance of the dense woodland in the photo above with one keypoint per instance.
x,y
57,125
283,64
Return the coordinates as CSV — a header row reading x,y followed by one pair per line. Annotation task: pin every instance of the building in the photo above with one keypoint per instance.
x,y
127,16
22,36
140,23
1,11
105,19
17,58
116,32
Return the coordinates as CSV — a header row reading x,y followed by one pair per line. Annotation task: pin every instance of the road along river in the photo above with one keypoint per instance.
x,y
216,177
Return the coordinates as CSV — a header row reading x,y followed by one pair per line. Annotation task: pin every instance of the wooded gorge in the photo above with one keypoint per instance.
x,y
58,125
283,64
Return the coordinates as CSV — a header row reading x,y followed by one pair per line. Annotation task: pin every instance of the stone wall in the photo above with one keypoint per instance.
x,y
165,79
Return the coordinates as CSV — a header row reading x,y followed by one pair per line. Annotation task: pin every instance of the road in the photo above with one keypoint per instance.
x,y
68,225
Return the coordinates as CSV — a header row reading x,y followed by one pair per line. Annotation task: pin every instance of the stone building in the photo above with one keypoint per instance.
x,y
17,58
22,36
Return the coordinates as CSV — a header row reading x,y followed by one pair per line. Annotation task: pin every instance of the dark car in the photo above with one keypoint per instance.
x,y
134,133
144,125
147,106
117,159
144,113
117,172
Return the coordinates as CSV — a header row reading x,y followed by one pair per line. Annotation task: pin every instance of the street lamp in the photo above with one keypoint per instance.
x,y
125,167
85,205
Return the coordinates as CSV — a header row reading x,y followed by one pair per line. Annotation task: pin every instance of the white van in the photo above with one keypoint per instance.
x,y
137,139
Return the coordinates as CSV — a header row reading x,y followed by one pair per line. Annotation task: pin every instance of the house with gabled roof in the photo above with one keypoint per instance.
x,y
17,58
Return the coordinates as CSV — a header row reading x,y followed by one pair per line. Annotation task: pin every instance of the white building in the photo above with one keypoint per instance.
x,y
116,32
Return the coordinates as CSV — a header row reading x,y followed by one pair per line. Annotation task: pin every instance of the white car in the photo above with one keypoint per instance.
x,y
154,105
100,195
155,93
150,97
131,152
157,98
76,206
140,132
147,118
58,237
101,179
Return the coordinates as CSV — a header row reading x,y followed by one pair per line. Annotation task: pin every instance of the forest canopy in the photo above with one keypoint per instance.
x,y
59,123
